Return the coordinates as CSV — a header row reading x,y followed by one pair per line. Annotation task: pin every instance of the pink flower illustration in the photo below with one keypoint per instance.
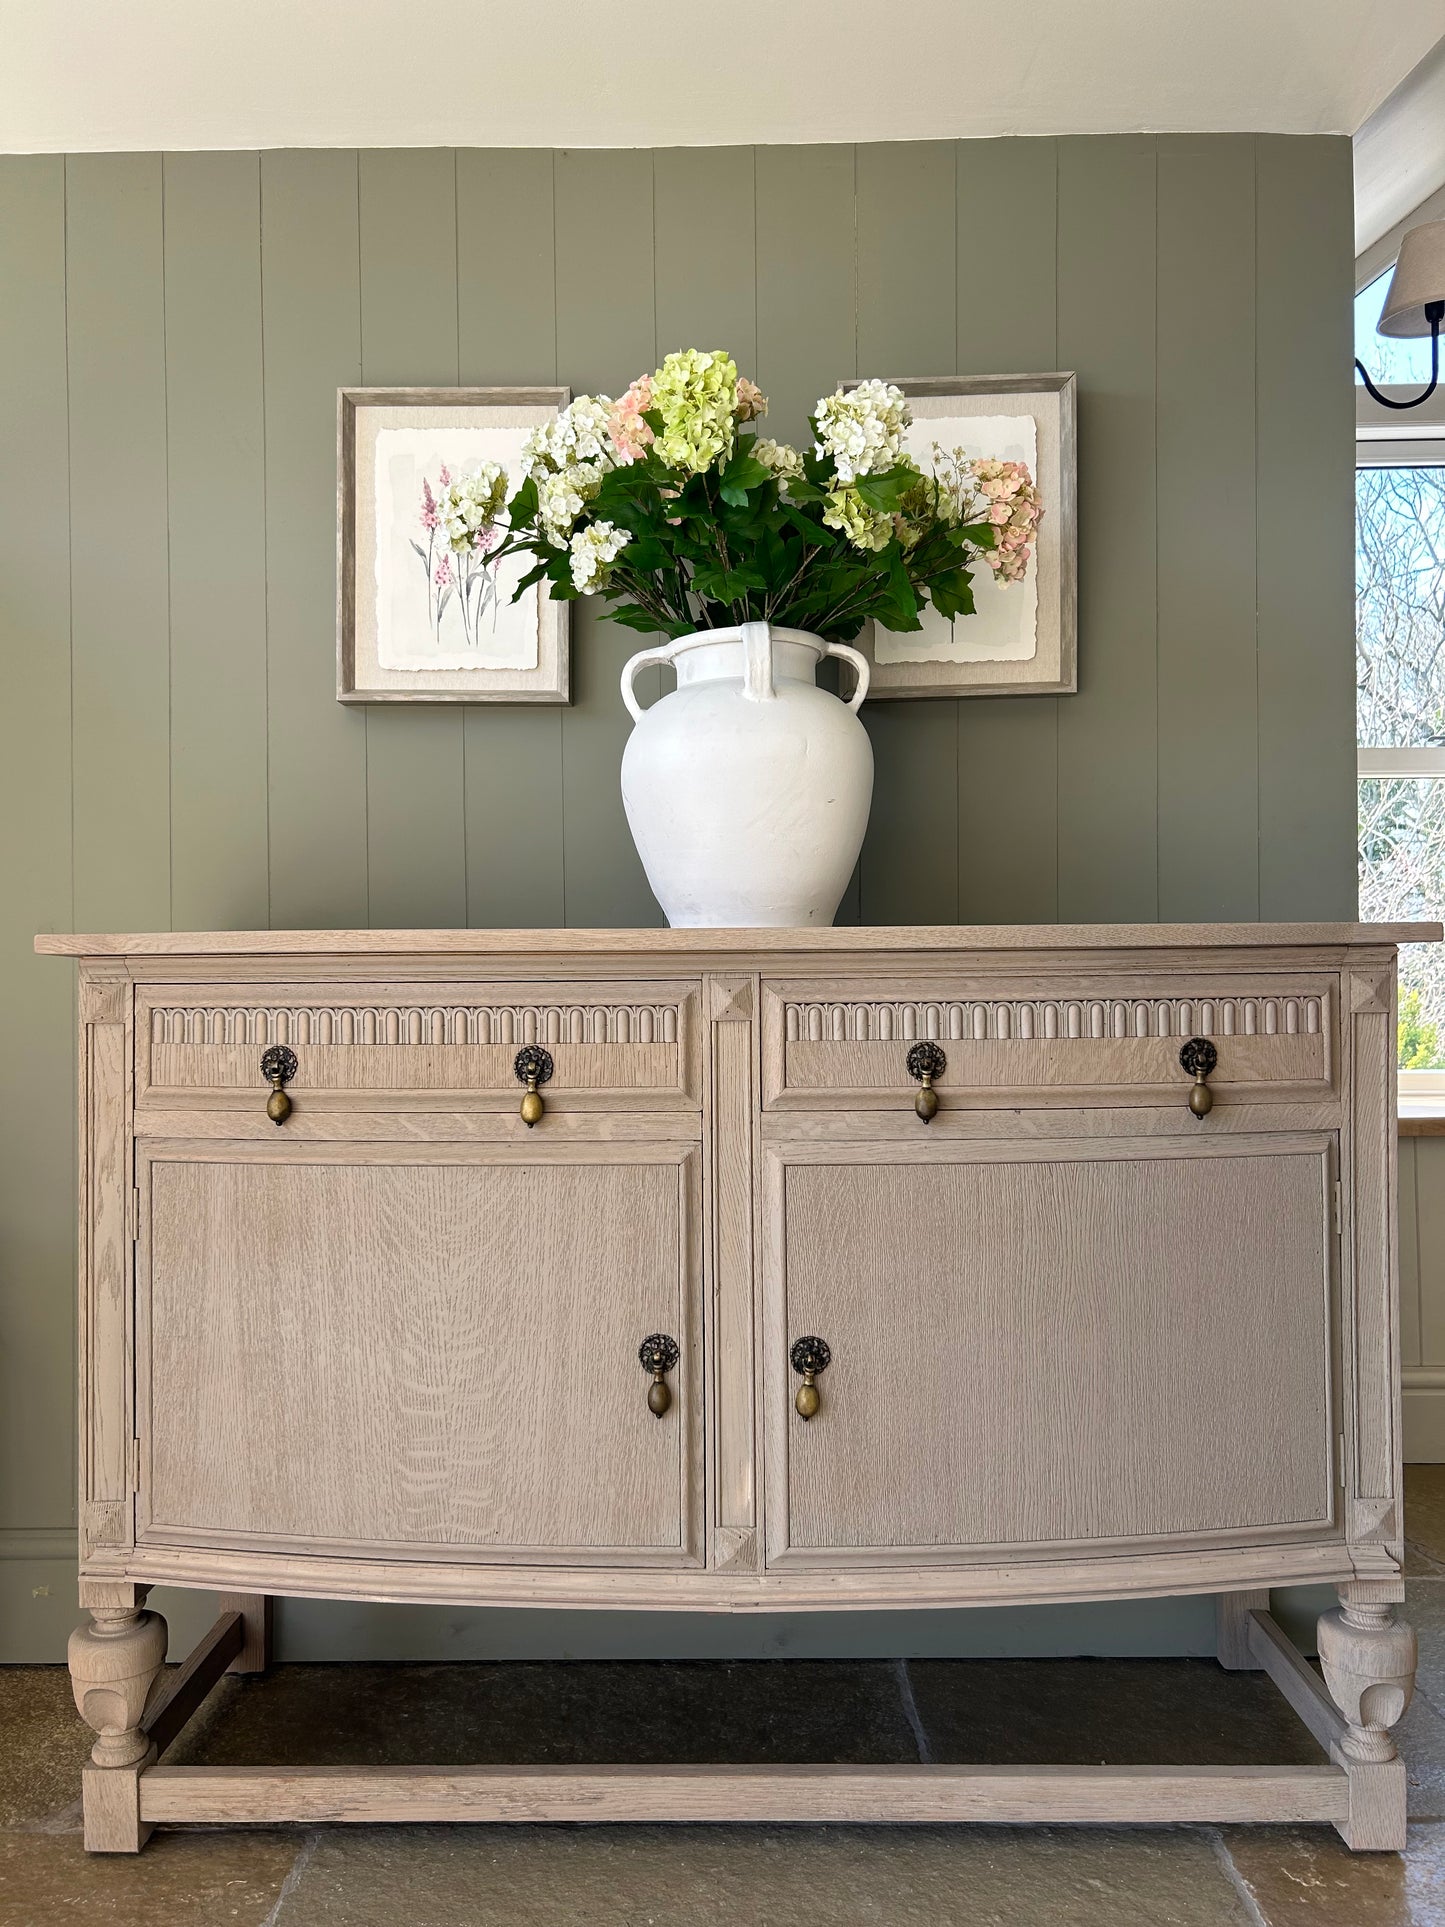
x,y
429,516
443,574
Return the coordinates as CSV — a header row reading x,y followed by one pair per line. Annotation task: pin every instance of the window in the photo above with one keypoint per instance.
x,y
1400,680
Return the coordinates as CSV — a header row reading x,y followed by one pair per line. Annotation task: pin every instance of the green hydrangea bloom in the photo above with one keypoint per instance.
x,y
865,528
696,395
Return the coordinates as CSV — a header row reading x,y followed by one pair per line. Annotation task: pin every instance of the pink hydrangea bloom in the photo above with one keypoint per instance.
x,y
752,402
1014,510
626,430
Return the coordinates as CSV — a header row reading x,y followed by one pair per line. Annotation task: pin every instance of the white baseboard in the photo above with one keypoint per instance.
x,y
1424,1404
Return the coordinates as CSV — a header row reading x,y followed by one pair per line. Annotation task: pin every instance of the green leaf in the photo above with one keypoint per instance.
x,y
952,593
743,472
884,492
523,508
633,616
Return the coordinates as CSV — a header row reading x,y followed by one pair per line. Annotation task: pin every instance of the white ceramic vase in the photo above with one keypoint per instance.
x,y
747,788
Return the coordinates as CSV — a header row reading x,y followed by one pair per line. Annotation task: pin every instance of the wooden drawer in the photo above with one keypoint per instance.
x,y
618,1047
1114,1042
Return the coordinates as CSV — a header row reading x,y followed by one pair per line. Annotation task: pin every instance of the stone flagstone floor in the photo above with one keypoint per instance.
x,y
1184,1711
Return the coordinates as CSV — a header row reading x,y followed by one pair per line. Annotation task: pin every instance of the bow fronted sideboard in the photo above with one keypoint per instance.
x,y
740,1270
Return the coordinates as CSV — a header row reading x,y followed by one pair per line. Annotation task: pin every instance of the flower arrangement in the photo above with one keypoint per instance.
x,y
661,503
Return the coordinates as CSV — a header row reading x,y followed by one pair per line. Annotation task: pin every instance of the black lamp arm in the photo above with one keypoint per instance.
x,y
1434,314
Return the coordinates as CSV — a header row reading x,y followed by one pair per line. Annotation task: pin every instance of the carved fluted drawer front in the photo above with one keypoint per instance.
x,y
610,1046
1093,1043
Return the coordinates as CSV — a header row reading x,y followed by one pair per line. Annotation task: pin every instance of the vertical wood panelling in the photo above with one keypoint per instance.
x,y
1008,746
1305,524
37,1173
507,333
415,822
807,302
215,439
704,252
606,334
906,193
1410,1299
311,327
1430,1245
1108,761
115,337
1208,711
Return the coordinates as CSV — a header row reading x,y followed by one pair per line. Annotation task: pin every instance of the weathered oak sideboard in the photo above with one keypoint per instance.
x,y
740,1270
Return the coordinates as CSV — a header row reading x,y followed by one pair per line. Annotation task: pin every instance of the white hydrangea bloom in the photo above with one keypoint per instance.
x,y
785,462
562,498
594,550
862,430
578,434
471,503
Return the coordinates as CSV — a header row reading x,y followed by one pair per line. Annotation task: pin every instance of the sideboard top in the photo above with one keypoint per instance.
x,y
920,938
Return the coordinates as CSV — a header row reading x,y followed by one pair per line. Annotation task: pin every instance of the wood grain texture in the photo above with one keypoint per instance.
x,y
257,1796
1050,1261
37,1018
105,1324
1233,1613
184,1688
216,506
1025,939
497,1408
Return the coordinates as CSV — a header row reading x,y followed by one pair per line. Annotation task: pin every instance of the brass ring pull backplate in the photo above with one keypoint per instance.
x,y
279,1065
1198,1058
658,1354
809,1356
532,1066
925,1062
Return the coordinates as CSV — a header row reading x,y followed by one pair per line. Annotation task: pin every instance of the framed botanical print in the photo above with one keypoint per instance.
x,y
423,614
1022,638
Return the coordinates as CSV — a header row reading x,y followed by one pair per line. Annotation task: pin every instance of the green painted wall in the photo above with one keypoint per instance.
x,y
172,332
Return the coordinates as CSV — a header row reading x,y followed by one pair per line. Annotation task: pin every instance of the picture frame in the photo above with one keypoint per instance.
x,y
416,623
1023,640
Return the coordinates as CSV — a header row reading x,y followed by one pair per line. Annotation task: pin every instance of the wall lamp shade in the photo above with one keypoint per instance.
x,y
1415,304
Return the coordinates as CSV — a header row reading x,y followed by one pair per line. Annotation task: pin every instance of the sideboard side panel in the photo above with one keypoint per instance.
x,y
106,1250
1373,1336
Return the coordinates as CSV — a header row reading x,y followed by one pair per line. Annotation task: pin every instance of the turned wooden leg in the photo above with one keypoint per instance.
x,y
1231,1628
255,1609
1368,1660
114,1663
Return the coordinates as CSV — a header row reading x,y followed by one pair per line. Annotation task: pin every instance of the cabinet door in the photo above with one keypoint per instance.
x,y
427,1351
1047,1343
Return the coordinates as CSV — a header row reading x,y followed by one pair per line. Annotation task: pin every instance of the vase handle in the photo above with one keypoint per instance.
x,y
630,669
860,670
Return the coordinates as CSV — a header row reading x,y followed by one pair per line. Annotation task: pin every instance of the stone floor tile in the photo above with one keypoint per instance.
x,y
578,1712
1424,1607
230,1878
1425,1517
44,1747
1308,1875
762,1877
1137,1712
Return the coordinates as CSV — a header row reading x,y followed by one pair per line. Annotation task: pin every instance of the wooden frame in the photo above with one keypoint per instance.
x,y
1359,1798
360,675
1053,670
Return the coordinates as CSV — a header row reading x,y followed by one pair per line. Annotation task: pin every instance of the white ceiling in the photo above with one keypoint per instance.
x,y
108,74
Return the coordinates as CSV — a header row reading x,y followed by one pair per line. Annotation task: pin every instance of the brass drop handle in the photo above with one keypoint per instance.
x,y
1198,1058
658,1354
925,1062
532,1066
280,1066
809,1357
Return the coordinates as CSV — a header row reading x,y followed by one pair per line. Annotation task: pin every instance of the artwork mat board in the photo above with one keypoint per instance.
x,y
362,413
1052,667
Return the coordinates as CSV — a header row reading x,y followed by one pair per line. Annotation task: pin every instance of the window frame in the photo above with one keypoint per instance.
x,y
1383,440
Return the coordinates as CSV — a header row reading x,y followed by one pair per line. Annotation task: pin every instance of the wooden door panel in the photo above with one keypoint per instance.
x,y
428,1349
1045,1344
